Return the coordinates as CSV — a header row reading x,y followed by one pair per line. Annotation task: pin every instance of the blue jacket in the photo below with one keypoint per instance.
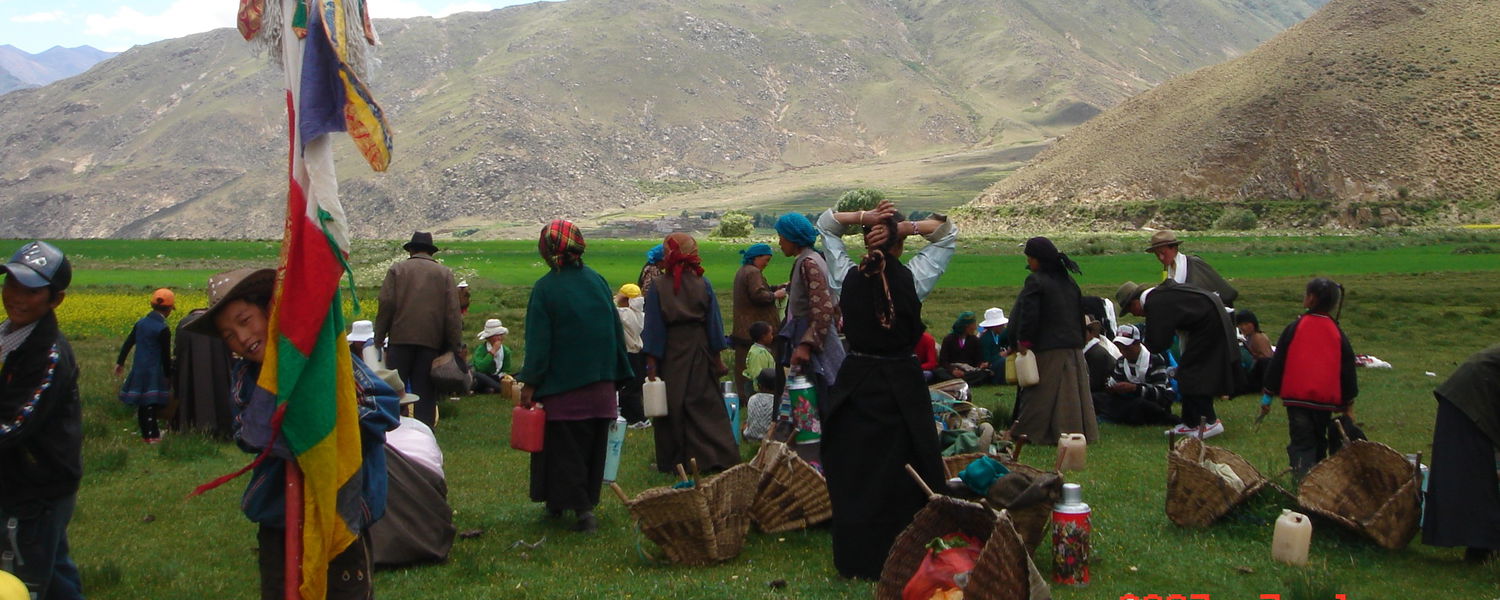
x,y
264,501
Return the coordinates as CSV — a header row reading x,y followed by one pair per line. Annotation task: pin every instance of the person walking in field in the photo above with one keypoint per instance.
x,y
148,387
1463,489
1314,373
575,357
1048,320
683,338
631,307
418,320
41,425
1188,269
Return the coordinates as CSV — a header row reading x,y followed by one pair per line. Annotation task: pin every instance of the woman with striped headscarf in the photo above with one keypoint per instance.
x,y
682,340
575,354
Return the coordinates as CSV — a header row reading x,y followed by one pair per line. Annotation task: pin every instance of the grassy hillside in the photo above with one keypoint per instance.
x,y
1363,109
586,107
135,536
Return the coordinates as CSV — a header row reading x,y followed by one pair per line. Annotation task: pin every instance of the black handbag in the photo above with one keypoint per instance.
x,y
448,376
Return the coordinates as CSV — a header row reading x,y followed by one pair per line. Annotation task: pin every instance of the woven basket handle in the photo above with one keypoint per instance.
x,y
1343,434
920,483
619,492
1202,446
1015,451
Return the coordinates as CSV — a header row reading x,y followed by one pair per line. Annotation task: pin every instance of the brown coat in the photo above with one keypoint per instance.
x,y
419,305
754,300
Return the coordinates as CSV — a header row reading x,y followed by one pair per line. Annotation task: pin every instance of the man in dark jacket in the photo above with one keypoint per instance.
x,y
41,425
1188,269
1207,367
419,320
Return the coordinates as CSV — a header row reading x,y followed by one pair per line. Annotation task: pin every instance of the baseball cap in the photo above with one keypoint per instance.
x,y
1126,335
39,264
163,297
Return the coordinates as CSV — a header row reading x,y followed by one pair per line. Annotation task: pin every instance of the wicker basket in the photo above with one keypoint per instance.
x,y
1030,521
1197,496
700,525
791,494
1002,570
1368,487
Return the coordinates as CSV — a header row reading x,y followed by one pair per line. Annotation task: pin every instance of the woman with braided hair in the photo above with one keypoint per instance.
x,y
575,355
878,416
683,336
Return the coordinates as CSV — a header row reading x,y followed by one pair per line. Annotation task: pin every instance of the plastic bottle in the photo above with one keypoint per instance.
x,y
613,449
1293,534
732,407
1073,448
654,397
1071,530
1026,369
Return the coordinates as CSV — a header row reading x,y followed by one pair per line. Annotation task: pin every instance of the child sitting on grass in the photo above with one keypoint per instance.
x,y
760,358
1313,372
759,407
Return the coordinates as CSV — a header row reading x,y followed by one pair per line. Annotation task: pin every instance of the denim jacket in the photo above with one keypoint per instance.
x,y
264,501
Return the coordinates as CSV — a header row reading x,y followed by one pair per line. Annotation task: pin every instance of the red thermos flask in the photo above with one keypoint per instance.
x,y
1070,537
526,428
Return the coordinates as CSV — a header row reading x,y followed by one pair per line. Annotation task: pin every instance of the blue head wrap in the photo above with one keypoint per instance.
x,y
796,227
656,254
753,252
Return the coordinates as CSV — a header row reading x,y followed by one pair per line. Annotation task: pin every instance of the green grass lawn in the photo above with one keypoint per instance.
x,y
1422,307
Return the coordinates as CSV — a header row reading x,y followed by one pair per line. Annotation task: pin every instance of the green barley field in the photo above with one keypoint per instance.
x,y
1422,300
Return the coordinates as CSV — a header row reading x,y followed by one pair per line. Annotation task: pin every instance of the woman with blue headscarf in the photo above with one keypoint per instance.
x,y
810,327
754,300
649,271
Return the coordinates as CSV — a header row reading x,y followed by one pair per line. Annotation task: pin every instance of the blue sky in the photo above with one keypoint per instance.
x,y
116,25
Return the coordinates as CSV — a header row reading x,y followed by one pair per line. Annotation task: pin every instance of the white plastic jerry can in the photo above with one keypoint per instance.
x,y
1073,448
1293,535
654,397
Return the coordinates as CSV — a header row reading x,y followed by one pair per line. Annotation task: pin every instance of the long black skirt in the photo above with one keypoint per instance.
x,y
569,471
879,419
1463,496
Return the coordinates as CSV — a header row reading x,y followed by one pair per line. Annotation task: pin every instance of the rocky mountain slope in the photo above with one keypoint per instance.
x,y
20,69
1364,108
569,108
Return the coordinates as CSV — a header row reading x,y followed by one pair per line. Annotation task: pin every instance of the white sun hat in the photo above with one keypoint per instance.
x,y
993,317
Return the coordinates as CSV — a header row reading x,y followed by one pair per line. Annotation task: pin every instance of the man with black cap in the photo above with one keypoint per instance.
x,y
41,437
1188,269
419,319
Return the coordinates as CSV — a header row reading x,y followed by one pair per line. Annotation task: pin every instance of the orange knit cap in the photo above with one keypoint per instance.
x,y
163,297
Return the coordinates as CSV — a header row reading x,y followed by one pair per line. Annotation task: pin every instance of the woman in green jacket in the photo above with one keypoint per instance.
x,y
491,360
575,355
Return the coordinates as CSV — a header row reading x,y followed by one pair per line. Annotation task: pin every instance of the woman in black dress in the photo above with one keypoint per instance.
x,y
879,416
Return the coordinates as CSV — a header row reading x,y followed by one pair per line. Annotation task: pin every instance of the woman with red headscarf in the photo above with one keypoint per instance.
x,y
575,354
683,336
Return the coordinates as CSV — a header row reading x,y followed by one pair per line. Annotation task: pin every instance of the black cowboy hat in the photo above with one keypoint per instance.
x,y
421,241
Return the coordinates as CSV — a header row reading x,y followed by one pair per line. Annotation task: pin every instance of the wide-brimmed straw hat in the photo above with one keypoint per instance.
x,y
493,327
421,241
993,317
392,378
1161,238
231,285
1128,291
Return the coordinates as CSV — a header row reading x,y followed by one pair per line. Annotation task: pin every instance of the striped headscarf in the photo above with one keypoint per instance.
x,y
561,244
682,254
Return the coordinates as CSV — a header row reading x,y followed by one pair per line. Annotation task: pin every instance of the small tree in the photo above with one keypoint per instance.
x,y
857,200
1236,219
734,224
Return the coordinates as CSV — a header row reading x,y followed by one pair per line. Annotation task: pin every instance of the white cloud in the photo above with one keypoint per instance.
x,y
183,17
41,17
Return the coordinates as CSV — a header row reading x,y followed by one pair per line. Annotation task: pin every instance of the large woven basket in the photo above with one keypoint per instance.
x,y
1001,571
700,525
1030,521
1197,496
1368,487
791,494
